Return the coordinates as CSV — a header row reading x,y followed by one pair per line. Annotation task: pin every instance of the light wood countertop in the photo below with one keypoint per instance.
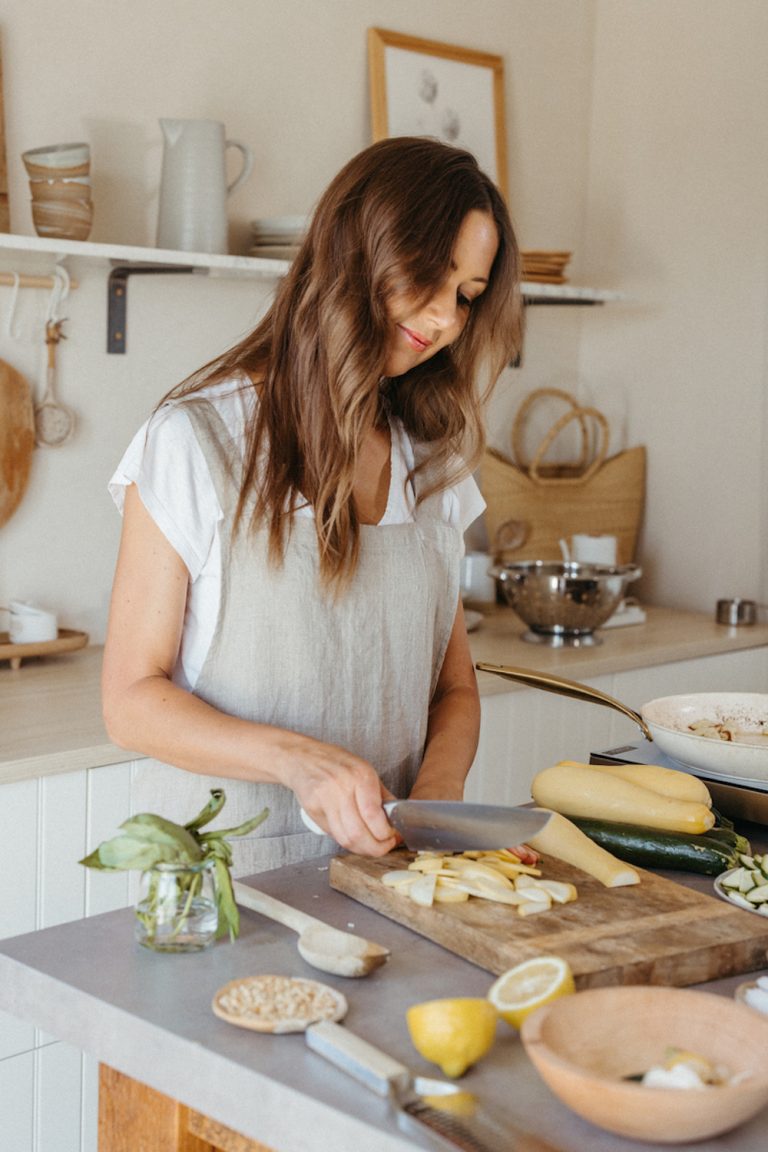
x,y
50,708
50,717
665,637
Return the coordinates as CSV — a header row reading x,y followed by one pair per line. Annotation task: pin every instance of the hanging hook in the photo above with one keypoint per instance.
x,y
11,331
59,293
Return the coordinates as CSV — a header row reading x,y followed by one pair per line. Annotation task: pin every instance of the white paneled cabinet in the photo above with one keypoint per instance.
x,y
48,1090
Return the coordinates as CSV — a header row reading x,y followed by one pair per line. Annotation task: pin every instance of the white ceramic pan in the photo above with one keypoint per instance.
x,y
743,716
736,743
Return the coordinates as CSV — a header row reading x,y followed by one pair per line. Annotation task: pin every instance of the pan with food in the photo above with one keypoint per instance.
x,y
720,733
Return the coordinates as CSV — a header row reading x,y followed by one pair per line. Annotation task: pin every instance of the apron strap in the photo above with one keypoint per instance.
x,y
222,454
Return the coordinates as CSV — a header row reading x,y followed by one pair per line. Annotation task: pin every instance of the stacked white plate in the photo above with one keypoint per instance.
x,y
277,237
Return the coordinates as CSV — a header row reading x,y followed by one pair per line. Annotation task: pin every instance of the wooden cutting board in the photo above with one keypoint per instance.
x,y
17,438
654,932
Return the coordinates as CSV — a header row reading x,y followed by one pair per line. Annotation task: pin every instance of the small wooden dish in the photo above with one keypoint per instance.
x,y
67,641
278,1004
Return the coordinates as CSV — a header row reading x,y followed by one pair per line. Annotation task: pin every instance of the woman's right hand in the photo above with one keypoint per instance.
x,y
340,792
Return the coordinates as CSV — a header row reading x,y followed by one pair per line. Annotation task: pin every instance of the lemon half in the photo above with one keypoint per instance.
x,y
527,986
453,1033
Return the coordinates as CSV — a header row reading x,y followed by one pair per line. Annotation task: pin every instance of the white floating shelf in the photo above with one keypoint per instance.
x,y
35,255
29,249
33,252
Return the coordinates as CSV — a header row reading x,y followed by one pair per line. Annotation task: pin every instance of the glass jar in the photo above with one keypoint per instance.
x,y
176,910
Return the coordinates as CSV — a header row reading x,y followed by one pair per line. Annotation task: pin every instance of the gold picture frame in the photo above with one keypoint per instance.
x,y
427,88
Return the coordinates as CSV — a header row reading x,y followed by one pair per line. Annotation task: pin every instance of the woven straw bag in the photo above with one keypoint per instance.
x,y
594,494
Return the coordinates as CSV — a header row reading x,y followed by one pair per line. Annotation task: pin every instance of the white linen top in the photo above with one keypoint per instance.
x,y
165,461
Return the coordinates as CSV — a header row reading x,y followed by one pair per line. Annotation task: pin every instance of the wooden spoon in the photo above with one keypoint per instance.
x,y
17,438
326,948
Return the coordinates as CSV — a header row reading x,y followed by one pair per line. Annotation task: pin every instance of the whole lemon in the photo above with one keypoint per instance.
x,y
452,1033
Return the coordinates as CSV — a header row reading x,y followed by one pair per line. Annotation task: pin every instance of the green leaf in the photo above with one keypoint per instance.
x,y
125,852
213,847
157,830
213,807
94,861
229,914
243,829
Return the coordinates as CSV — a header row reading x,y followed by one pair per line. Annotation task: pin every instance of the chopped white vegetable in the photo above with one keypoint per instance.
x,y
532,907
399,879
436,878
422,891
757,997
681,1076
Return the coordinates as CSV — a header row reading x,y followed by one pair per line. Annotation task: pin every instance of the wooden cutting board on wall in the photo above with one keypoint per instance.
x,y
5,211
17,438
655,932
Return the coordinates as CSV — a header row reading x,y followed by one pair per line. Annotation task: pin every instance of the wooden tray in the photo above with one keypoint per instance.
x,y
654,932
67,641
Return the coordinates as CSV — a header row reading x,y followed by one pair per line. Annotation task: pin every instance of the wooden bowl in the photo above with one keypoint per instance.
x,y
584,1045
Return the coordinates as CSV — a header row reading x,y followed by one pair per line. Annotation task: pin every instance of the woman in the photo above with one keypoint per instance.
x,y
285,611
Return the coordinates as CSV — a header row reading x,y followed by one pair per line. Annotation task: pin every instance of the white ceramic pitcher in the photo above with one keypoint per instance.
x,y
192,215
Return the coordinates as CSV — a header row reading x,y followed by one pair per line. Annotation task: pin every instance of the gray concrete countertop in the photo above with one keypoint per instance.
x,y
149,1016
50,709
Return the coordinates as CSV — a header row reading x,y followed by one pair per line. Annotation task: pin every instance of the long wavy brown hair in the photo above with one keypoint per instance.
x,y
387,223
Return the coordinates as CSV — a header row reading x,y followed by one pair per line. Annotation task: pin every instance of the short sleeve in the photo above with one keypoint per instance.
x,y
463,503
164,460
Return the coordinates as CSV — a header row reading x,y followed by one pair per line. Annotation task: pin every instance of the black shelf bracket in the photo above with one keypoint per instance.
x,y
561,302
117,297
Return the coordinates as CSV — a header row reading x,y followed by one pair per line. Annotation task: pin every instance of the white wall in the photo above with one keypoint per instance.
x,y
677,213
635,139
289,78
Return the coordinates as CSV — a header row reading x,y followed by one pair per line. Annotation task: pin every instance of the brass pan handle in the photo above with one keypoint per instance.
x,y
562,687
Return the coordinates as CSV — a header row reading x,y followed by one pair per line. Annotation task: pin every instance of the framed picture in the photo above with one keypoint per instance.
x,y
425,88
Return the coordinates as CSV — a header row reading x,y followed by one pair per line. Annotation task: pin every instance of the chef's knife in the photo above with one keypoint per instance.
x,y
457,826
423,1106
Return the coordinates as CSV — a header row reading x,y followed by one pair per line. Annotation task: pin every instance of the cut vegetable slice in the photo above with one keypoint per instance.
x,y
562,839
559,891
399,878
532,907
422,891
427,864
447,894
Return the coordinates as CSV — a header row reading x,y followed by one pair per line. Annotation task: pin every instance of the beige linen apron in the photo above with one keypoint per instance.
x,y
358,672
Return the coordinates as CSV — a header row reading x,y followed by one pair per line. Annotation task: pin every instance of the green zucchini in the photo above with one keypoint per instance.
x,y
652,848
732,838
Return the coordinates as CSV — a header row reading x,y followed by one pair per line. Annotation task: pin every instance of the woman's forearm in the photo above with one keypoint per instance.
x,y
452,735
156,718
453,727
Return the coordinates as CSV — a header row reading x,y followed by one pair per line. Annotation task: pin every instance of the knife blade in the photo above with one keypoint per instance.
x,y
456,825
422,1105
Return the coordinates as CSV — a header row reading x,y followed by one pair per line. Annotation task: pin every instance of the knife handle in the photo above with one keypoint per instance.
x,y
359,1059
313,827
310,823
